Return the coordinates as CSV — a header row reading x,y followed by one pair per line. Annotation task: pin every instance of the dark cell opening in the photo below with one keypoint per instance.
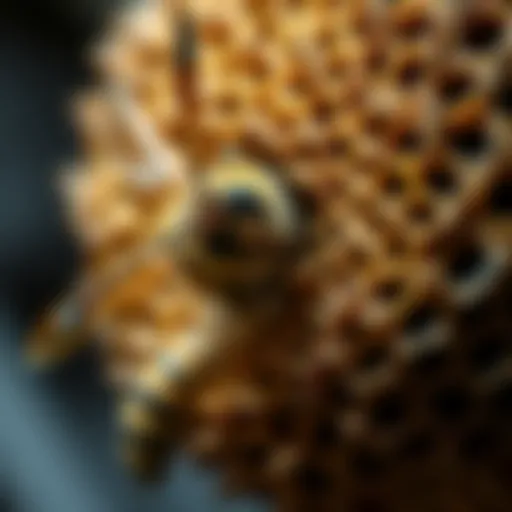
x,y
338,394
417,446
451,403
482,32
223,244
420,213
487,354
501,199
369,505
373,359
504,96
389,290
467,264
431,363
409,141
441,181
389,411
476,315
367,465
254,456
455,86
241,418
282,423
478,445
469,141
411,73
327,434
502,400
394,185
420,320
312,480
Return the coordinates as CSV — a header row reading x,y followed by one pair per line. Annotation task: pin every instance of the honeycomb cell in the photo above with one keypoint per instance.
x,y
482,31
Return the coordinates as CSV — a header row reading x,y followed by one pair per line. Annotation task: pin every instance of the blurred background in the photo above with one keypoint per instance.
x,y
56,430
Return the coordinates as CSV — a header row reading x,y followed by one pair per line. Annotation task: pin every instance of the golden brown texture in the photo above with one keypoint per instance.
x,y
395,117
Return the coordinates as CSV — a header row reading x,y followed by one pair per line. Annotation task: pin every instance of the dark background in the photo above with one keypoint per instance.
x,y
56,430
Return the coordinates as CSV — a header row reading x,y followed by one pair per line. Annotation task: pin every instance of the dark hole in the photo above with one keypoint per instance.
x,y
420,213
353,329
223,243
454,87
417,446
501,199
254,456
478,445
411,73
369,505
502,400
312,480
389,411
420,320
468,263
394,185
367,465
451,403
408,141
327,434
441,181
389,290
504,96
282,423
241,418
487,354
431,363
338,394
475,315
267,378
482,32
470,141
373,358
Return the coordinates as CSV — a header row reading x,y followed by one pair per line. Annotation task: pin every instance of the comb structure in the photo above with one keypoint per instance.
x,y
382,378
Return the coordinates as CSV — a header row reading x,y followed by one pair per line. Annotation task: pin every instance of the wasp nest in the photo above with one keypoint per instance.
x,y
380,375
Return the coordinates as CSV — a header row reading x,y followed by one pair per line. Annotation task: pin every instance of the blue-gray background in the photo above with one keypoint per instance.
x,y
56,431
